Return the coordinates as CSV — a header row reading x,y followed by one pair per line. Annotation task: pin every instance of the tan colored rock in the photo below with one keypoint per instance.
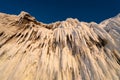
x,y
66,50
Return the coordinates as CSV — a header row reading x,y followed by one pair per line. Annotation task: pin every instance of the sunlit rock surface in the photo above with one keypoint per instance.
x,y
64,50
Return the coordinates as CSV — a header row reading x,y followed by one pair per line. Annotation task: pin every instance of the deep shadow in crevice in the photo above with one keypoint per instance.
x,y
100,44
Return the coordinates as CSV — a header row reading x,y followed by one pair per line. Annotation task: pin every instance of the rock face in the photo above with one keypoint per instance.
x,y
66,50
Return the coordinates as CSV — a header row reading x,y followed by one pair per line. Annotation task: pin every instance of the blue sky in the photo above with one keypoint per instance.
x,y
48,11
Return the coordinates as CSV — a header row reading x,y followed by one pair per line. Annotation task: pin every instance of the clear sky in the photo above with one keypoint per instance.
x,y
48,11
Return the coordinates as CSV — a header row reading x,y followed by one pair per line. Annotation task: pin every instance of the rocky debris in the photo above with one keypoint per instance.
x,y
66,50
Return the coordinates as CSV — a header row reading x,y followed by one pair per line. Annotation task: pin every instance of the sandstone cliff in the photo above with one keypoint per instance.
x,y
64,50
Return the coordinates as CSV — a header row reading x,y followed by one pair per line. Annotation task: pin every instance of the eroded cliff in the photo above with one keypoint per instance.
x,y
64,50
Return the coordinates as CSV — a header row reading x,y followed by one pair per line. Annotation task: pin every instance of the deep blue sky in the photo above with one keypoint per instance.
x,y
48,11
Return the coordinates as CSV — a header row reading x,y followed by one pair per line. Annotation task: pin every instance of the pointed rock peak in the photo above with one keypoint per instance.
x,y
69,22
25,15
72,19
93,23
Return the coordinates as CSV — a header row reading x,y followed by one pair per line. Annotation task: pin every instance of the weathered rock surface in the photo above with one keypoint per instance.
x,y
66,50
